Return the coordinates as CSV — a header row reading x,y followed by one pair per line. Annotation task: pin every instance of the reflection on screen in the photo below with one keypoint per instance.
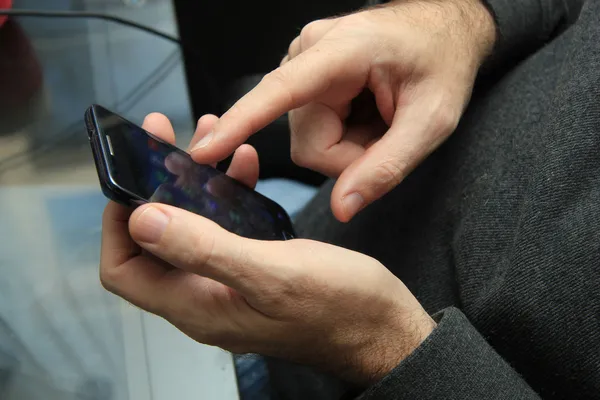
x,y
163,174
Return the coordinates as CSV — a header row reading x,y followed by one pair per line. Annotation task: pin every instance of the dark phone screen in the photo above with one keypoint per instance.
x,y
159,172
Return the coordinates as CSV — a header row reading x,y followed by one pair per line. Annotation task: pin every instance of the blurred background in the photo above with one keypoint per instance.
x,y
61,335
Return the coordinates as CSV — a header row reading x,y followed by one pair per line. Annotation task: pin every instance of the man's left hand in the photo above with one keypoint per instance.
x,y
299,300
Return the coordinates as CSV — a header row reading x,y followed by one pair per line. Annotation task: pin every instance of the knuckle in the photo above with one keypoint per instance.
x,y
309,34
355,21
303,155
201,254
110,280
445,121
284,60
296,155
300,157
294,47
389,173
443,117
303,150
108,277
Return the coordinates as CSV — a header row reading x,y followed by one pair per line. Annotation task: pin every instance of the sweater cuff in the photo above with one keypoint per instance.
x,y
523,26
454,362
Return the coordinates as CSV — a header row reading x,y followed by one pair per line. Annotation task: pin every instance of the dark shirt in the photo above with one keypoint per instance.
x,y
498,232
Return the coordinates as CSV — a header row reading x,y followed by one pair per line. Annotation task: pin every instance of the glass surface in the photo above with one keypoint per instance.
x,y
156,171
62,336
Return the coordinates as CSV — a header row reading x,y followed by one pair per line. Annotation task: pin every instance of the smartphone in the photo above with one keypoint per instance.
x,y
135,167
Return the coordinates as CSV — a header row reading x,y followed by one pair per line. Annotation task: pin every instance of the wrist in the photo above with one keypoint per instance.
x,y
403,336
469,22
482,27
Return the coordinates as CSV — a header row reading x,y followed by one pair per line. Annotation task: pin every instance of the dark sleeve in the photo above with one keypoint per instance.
x,y
524,26
454,362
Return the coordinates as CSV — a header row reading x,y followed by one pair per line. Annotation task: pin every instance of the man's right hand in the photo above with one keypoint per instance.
x,y
371,94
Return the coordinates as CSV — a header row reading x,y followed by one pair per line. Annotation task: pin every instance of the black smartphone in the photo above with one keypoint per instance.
x,y
136,167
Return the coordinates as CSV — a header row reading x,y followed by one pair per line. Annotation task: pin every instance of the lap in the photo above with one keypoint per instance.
x,y
391,230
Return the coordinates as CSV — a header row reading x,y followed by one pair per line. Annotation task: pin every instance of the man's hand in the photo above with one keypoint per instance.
x,y
372,94
299,300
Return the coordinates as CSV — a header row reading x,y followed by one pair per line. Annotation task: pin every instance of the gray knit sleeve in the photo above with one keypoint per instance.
x,y
454,362
524,26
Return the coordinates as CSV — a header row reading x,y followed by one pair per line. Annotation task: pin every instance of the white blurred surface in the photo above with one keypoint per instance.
x,y
62,336
69,337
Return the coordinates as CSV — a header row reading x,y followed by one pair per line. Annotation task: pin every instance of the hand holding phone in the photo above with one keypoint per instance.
x,y
136,167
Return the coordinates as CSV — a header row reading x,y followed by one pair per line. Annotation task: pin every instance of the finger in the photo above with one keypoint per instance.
x,y
317,131
244,166
178,163
310,35
121,271
160,126
198,245
117,245
220,187
416,131
205,125
292,85
294,50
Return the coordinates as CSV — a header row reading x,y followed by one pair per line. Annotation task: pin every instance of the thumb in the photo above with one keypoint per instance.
x,y
195,244
416,131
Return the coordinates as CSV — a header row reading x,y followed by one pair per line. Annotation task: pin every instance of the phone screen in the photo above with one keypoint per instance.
x,y
159,172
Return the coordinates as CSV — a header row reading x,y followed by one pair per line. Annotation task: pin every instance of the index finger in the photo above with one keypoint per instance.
x,y
294,84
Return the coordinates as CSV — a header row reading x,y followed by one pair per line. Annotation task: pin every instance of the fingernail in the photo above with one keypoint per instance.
x,y
353,203
204,141
151,225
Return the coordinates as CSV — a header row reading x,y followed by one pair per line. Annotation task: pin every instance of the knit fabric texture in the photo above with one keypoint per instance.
x,y
498,232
